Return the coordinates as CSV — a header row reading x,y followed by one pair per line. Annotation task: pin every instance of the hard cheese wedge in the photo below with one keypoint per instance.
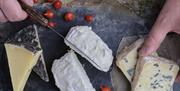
x,y
23,52
21,61
154,74
127,59
70,75
90,46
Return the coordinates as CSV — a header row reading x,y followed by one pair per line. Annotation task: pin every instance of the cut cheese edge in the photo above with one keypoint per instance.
x,y
69,74
90,46
127,59
154,74
21,61
28,38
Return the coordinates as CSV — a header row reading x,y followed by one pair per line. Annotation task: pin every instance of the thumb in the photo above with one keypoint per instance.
x,y
178,78
153,41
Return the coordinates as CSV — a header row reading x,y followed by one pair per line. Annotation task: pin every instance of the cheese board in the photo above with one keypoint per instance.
x,y
112,22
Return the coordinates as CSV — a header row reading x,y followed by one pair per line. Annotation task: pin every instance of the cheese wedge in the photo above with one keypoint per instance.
x,y
23,51
154,74
21,61
90,46
40,67
69,74
127,59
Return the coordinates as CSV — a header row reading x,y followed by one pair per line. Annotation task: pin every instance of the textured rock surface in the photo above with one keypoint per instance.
x,y
112,22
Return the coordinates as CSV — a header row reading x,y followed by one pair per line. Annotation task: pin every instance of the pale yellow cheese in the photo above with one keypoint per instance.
x,y
21,61
154,74
127,59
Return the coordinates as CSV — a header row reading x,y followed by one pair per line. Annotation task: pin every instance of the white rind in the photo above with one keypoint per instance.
x,y
99,54
69,74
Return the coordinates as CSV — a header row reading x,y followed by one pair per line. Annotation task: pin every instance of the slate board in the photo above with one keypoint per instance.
x,y
111,24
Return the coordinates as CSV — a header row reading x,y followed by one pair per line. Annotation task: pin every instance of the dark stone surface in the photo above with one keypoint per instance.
x,y
110,23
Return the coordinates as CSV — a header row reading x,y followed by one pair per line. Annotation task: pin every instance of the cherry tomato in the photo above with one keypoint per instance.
x,y
51,24
89,18
35,1
57,4
49,14
105,88
50,1
69,16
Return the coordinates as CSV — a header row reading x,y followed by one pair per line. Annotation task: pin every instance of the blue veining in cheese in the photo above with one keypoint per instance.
x,y
154,74
127,59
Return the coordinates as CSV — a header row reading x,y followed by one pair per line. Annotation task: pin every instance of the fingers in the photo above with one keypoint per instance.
x,y
153,41
29,2
13,10
162,26
178,78
2,17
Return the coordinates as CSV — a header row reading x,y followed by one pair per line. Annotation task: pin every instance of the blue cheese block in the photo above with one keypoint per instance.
x,y
127,59
90,46
154,74
29,39
69,74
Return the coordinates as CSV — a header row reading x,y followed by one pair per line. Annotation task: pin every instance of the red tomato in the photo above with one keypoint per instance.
x,y
105,88
69,16
49,14
50,1
51,24
89,18
57,4
35,1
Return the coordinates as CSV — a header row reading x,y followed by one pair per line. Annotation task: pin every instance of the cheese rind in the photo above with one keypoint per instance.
x,y
28,38
69,74
127,59
154,74
23,51
21,61
95,50
40,67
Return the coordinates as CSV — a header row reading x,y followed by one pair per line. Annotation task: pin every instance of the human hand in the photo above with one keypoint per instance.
x,y
10,10
168,21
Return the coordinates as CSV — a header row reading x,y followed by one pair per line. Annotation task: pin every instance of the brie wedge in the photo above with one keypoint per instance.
x,y
70,75
90,46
